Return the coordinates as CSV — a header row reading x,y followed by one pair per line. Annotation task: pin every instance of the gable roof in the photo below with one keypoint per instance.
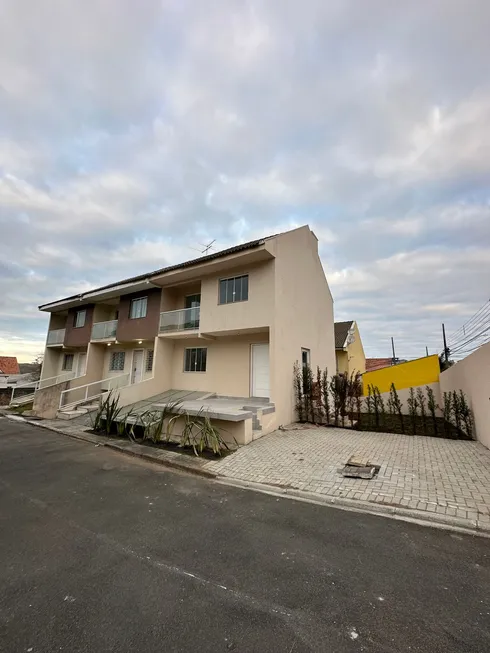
x,y
9,365
341,332
147,276
377,363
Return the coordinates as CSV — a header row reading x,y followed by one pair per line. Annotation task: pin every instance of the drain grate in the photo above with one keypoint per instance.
x,y
357,467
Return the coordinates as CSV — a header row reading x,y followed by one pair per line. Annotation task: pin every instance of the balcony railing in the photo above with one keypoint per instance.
x,y
56,337
185,318
104,330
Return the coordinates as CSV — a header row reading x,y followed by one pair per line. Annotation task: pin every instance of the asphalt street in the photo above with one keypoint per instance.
x,y
101,552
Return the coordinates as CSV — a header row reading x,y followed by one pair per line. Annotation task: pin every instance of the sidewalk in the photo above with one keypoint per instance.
x,y
428,479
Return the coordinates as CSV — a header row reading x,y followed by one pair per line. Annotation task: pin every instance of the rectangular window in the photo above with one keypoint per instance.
x,y
68,362
195,359
138,308
149,360
80,319
305,357
233,290
117,361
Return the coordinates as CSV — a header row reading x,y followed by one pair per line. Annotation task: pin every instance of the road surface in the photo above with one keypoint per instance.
x,y
104,553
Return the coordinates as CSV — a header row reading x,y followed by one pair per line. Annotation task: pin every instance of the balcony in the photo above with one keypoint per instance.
x,y
56,338
181,321
104,330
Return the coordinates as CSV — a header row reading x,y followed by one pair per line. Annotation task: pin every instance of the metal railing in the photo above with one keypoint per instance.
x,y
39,385
56,337
184,318
90,391
104,330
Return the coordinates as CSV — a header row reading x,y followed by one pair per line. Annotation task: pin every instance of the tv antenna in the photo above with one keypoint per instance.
x,y
205,248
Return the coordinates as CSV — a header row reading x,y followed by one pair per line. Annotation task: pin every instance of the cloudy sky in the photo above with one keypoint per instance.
x,y
131,131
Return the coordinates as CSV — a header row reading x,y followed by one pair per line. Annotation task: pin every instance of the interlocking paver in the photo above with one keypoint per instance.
x,y
431,475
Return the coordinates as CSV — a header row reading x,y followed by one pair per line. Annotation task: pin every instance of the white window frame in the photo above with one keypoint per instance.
x,y
142,308
150,359
64,367
233,299
80,319
112,358
195,370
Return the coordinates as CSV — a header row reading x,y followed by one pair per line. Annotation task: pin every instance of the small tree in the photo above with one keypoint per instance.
x,y
447,412
412,409
466,415
325,392
432,407
307,383
456,411
298,392
338,388
397,406
422,401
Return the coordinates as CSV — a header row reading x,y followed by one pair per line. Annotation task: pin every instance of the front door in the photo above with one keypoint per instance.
x,y
81,364
192,302
137,366
260,370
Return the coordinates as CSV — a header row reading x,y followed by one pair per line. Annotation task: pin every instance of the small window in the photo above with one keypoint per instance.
x,y
68,362
80,317
305,357
117,361
195,359
149,360
138,308
233,290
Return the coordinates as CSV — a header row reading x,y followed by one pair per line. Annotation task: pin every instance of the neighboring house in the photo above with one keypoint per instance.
x,y
349,352
9,365
373,364
232,323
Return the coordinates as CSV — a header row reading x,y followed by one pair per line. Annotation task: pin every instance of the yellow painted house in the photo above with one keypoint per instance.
x,y
349,352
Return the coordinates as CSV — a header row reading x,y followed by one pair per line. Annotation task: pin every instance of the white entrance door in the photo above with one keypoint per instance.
x,y
260,371
81,364
137,366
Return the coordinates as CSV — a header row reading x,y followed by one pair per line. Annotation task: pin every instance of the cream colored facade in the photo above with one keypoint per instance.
x,y
351,359
472,376
251,345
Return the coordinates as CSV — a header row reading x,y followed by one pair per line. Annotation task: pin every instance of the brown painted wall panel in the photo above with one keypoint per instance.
x,y
144,328
79,336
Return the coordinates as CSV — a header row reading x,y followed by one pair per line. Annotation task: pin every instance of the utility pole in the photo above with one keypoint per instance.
x,y
393,348
426,351
446,350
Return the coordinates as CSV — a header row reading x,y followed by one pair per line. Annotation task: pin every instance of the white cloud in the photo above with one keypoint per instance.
x,y
130,134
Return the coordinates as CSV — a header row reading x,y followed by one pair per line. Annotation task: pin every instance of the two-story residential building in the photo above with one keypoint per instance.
x,y
349,352
230,324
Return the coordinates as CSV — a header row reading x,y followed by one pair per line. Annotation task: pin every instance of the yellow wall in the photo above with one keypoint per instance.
x,y
422,371
342,361
352,359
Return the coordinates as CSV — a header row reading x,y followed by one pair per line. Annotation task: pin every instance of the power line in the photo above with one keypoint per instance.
x,y
470,340
462,332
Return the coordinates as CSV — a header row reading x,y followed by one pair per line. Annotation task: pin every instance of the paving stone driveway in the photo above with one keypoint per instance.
x,y
449,477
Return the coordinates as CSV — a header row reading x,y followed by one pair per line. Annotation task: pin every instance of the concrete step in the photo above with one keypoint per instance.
x,y
68,414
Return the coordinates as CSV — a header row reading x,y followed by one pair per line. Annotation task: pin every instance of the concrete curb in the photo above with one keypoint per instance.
x,y
136,450
394,512
182,466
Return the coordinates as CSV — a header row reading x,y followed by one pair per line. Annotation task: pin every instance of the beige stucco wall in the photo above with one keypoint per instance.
x,y
472,376
128,349
303,316
257,312
227,366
